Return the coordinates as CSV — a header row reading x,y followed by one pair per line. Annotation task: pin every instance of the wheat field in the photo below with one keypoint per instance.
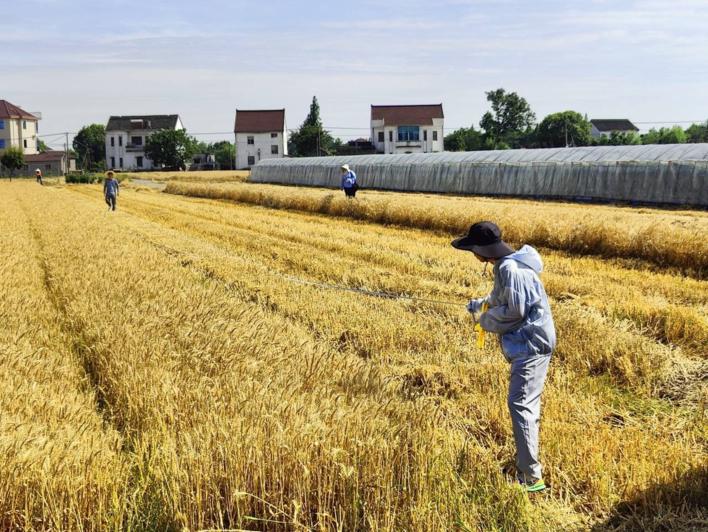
x,y
198,176
178,364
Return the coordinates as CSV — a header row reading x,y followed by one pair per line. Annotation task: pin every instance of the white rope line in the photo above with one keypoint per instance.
x,y
331,286
364,291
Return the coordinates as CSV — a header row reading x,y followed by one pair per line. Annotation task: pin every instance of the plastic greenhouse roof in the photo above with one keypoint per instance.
x,y
587,155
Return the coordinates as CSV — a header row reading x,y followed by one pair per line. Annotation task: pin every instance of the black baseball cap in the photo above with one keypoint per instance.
x,y
484,239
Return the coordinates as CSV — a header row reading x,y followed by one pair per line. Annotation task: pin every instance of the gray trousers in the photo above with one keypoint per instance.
x,y
528,375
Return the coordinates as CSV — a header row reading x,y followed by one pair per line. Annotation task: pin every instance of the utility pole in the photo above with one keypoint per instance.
x,y
67,153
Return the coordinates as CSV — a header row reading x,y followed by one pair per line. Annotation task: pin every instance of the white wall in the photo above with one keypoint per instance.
x,y
261,147
391,144
125,151
130,154
15,135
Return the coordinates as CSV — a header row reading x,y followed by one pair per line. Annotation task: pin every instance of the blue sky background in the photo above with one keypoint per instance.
x,y
79,62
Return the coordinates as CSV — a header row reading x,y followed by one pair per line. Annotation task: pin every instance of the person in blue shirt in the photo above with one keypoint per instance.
x,y
110,190
517,310
349,184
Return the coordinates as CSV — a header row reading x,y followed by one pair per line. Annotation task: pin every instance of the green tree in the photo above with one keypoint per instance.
x,y
13,159
311,139
464,139
697,132
170,148
90,146
224,154
509,121
567,128
42,146
665,135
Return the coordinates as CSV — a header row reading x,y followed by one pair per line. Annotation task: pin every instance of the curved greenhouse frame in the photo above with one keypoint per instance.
x,y
663,174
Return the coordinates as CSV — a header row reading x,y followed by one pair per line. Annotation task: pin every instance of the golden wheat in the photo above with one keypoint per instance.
x,y
235,396
665,238
201,176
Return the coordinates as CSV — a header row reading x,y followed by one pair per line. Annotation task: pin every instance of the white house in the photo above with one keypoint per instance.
x,y
259,135
18,129
126,137
407,128
600,127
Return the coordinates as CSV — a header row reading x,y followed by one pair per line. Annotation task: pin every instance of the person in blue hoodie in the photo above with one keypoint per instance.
x,y
111,190
349,184
517,310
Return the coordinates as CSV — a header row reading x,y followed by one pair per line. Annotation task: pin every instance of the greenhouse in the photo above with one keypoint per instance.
x,y
662,174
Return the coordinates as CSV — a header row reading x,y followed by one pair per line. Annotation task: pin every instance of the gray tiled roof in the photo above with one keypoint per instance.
x,y
126,123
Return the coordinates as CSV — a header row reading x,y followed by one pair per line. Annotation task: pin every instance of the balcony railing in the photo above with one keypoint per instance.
x,y
134,147
409,143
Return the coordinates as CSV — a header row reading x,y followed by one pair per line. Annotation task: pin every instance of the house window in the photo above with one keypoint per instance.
x,y
120,161
425,135
113,141
2,124
136,141
274,135
113,162
139,162
24,124
251,160
408,133
390,136
381,136
249,139
24,142
435,135
120,142
2,144
274,149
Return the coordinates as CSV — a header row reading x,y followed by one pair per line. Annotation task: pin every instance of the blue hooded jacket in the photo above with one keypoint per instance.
x,y
348,179
518,306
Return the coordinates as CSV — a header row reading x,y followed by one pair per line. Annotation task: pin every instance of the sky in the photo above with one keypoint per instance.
x,y
78,62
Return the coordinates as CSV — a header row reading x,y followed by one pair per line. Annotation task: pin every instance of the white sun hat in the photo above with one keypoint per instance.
x,y
345,167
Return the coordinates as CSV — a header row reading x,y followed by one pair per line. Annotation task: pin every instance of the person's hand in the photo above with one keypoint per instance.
x,y
475,305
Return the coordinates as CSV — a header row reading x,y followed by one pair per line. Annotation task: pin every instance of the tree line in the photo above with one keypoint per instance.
x,y
510,123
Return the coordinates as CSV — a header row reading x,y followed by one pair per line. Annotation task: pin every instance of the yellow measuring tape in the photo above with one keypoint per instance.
x,y
481,333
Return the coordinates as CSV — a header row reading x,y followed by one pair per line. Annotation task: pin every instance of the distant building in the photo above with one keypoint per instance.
x,y
18,128
360,146
203,161
602,127
259,135
126,137
50,162
407,128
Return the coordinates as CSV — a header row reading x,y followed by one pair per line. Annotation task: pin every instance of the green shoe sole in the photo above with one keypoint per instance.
x,y
539,485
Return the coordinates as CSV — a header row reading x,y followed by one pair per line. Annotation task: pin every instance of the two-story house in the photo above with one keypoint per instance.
x,y
126,137
18,128
600,127
259,135
407,128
